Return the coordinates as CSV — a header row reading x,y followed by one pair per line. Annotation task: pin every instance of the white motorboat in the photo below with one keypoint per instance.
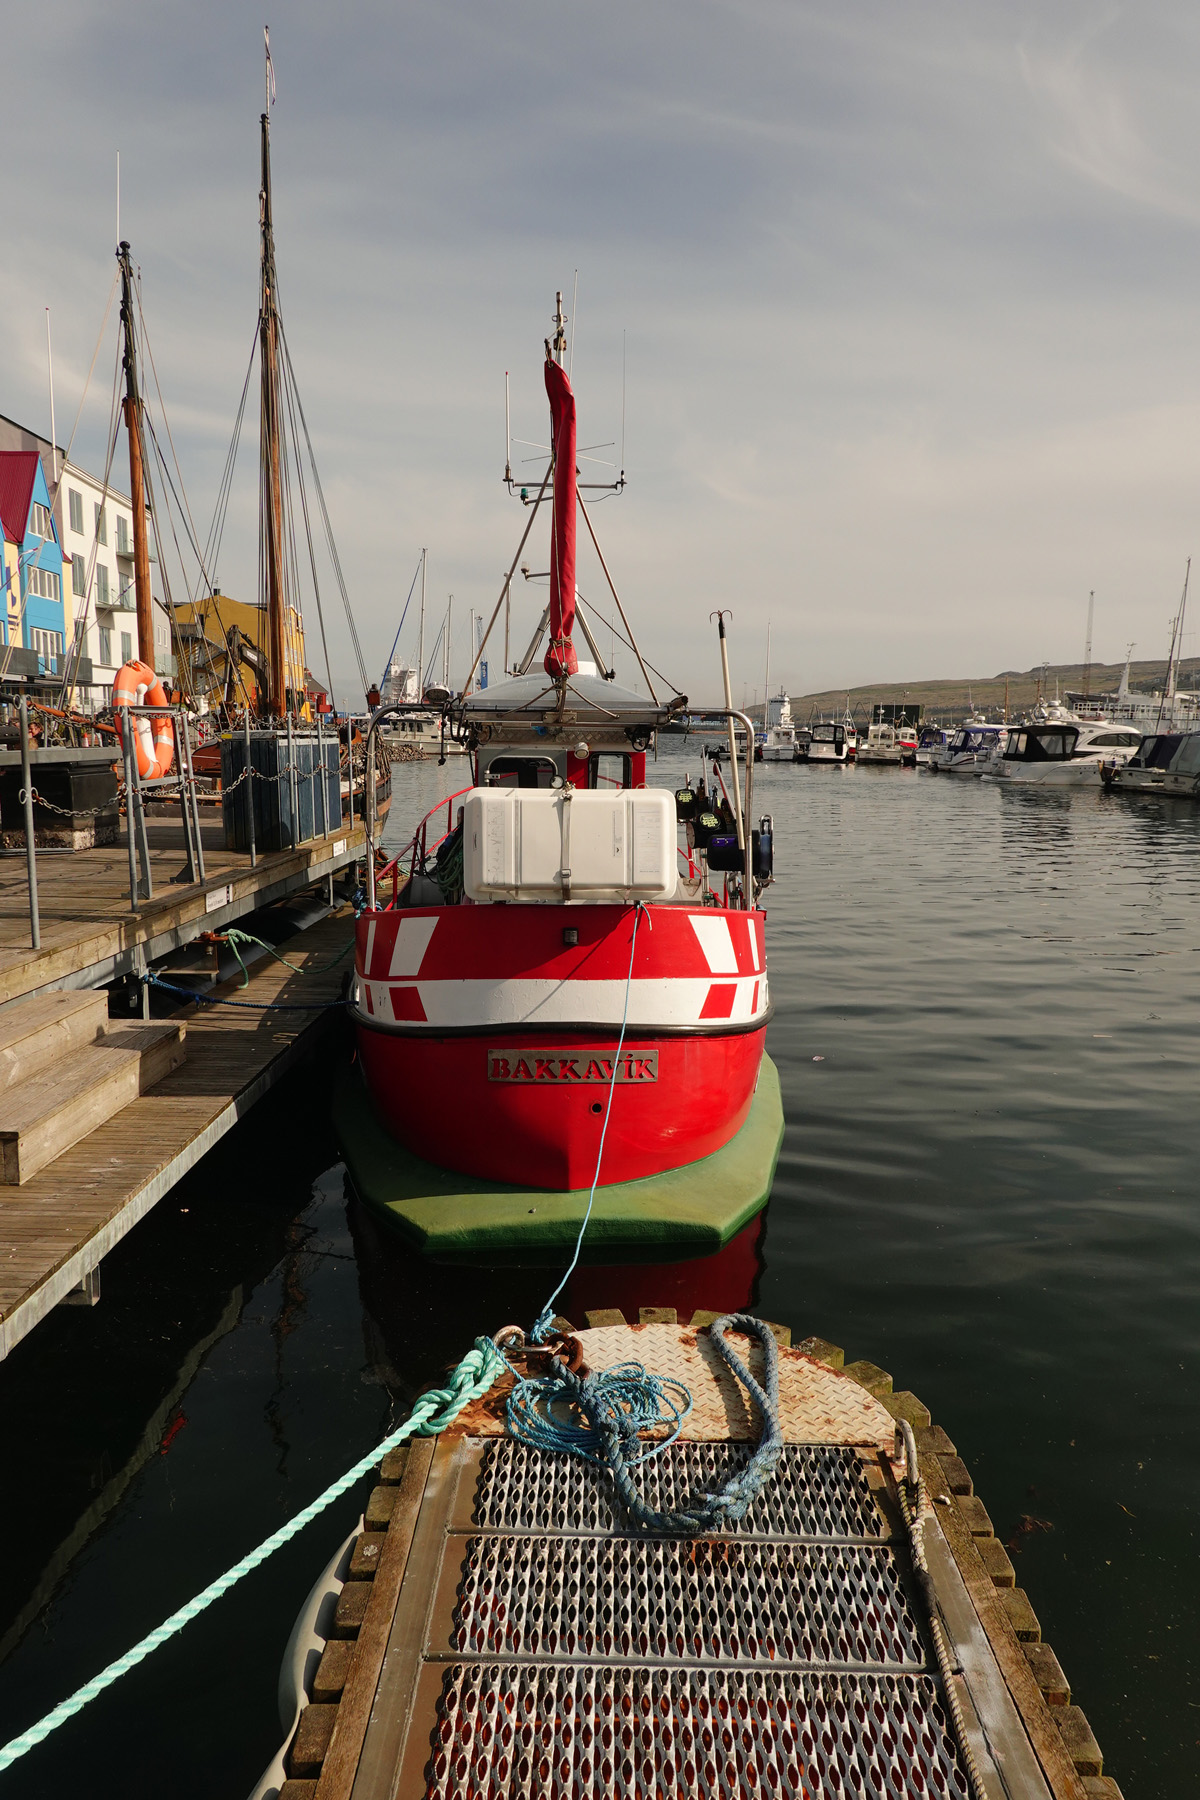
x,y
1063,754
894,744
933,737
828,744
970,750
1165,762
778,742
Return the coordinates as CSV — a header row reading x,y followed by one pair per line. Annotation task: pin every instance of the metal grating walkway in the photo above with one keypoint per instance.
x,y
564,1657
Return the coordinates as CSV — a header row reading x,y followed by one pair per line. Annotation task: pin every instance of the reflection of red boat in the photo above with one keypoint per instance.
x,y
558,967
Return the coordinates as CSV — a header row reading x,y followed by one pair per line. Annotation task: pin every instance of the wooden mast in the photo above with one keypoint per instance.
x,y
269,431
137,481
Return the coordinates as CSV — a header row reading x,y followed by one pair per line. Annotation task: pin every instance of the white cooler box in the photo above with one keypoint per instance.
x,y
569,844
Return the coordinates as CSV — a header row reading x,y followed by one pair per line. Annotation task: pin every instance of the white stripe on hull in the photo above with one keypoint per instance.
x,y
677,1001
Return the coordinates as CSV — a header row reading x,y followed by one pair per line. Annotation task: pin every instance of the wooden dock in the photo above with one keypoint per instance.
x,y
56,1228
501,1630
91,935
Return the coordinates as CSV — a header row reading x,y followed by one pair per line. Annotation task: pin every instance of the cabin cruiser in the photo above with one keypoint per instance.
x,y
828,745
933,737
1165,762
970,750
1063,755
889,744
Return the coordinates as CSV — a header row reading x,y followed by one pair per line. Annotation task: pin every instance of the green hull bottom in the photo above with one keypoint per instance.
x,y
686,1212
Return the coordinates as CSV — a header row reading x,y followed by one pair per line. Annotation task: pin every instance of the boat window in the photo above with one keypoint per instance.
x,y
608,769
1113,740
1157,753
1187,759
1017,742
521,771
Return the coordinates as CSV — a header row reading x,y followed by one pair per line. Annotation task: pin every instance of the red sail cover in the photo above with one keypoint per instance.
x,y
560,657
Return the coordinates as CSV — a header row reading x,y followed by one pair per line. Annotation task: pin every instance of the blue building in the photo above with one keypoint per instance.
x,y
34,615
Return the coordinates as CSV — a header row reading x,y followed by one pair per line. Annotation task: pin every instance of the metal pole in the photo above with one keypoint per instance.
x,y
324,790
143,839
35,923
293,791
731,715
384,712
126,729
748,898
185,811
250,794
349,768
190,793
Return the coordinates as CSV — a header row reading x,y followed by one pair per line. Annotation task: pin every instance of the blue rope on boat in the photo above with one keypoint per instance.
x,y
618,1404
544,1323
434,1410
203,999
602,1416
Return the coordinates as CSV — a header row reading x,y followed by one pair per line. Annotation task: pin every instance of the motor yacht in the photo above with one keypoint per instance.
x,y
1063,754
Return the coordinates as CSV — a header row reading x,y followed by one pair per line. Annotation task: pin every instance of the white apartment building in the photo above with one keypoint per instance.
x,y
101,584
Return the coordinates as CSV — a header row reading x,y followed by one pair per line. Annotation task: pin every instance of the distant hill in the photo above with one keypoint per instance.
x,y
947,700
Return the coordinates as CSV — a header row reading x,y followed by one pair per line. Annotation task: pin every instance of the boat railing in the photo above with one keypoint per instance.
x,y
418,849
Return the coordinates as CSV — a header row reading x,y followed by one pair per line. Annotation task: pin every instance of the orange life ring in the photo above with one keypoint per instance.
x,y
153,739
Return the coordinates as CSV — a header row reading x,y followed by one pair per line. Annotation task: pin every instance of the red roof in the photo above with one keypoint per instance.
x,y
18,471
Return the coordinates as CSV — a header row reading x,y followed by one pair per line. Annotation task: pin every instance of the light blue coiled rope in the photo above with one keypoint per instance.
x,y
434,1410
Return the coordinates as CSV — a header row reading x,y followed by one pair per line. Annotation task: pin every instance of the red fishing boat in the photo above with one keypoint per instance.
x,y
562,979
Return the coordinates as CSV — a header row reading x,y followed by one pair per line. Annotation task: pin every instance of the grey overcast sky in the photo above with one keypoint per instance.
x,y
910,296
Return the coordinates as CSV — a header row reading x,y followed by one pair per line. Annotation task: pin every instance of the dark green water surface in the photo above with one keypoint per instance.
x,y
986,1026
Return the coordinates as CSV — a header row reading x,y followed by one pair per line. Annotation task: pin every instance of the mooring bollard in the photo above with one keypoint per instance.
x,y
35,923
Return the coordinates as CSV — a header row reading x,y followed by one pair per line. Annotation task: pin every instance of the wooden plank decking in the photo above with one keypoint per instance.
x,y
89,933
55,1230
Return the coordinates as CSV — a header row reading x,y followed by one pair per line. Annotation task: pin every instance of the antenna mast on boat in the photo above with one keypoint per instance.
x,y
137,480
1168,698
767,684
1087,651
270,426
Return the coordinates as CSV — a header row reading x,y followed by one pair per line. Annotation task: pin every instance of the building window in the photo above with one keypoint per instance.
x,y
124,544
44,583
75,501
102,595
48,644
40,522
125,590
101,525
78,577
105,646
126,647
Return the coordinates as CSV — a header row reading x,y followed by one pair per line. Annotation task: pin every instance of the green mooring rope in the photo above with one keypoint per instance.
x,y
434,1410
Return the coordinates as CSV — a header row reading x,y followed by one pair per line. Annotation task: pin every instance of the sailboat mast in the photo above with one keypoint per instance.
x,y
269,433
421,635
137,481
767,683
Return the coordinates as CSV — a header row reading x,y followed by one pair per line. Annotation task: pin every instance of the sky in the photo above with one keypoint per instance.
x,y
906,299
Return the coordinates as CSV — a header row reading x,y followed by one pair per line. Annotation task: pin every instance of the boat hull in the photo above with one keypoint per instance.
x,y
690,1211
489,1035
516,1108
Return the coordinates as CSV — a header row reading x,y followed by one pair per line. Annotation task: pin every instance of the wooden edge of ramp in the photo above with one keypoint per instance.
x,y
989,1621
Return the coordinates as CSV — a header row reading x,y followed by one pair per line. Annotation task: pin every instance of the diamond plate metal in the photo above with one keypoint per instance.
x,y
693,1600
817,1490
551,1732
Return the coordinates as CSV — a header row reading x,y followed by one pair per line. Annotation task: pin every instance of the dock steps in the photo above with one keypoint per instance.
x,y
47,1111
36,1033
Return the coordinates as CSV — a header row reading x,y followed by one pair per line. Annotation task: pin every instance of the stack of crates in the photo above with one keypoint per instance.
x,y
313,792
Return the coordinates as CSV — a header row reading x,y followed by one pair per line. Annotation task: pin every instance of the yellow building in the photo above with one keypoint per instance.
x,y
221,647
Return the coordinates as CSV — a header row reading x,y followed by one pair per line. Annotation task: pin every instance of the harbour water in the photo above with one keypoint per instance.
x,y
986,1031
